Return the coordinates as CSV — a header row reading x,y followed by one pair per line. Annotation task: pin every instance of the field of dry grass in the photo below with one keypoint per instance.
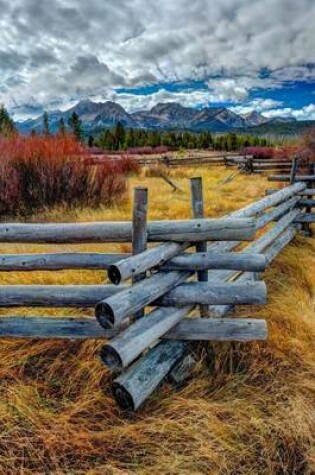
x,y
252,412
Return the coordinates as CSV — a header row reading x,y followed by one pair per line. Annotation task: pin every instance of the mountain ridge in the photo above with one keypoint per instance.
x,y
168,115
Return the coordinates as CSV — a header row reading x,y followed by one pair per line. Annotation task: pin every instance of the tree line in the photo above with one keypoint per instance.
x,y
121,138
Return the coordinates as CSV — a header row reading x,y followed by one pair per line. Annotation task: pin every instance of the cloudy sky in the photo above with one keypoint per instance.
x,y
243,54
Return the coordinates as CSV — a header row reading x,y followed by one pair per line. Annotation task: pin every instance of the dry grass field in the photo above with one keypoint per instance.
x,y
252,412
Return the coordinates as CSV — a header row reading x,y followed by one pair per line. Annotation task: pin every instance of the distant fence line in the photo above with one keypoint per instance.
x,y
245,163
163,297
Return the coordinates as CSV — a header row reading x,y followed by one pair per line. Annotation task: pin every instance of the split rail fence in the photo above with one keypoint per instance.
x,y
248,164
164,297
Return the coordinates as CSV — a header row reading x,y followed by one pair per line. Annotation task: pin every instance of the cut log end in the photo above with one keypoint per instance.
x,y
114,275
104,315
110,357
123,397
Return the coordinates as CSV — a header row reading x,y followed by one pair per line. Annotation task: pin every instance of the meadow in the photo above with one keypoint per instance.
x,y
251,411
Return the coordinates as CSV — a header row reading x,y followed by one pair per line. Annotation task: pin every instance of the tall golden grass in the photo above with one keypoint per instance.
x,y
250,413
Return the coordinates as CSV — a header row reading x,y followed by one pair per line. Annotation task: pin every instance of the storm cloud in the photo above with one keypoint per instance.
x,y
63,50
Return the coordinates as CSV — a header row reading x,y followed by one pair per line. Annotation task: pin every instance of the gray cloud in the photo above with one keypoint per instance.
x,y
65,49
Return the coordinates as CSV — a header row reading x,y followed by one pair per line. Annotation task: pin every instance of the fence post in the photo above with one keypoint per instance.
x,y
306,227
198,213
294,167
139,230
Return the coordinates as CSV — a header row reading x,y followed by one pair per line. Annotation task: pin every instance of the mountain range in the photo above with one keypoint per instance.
x,y
96,116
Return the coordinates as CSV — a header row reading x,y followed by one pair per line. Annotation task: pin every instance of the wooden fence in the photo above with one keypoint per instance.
x,y
180,284
247,164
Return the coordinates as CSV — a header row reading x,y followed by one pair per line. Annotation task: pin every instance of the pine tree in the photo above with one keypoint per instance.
x,y
7,126
62,126
46,124
75,124
119,134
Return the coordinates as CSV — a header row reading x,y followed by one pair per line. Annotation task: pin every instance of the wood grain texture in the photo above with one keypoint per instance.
x,y
158,231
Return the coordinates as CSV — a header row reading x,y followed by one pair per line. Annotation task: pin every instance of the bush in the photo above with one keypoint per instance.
x,y
38,172
259,152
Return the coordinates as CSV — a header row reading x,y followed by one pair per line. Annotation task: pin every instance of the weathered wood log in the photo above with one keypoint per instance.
x,y
182,371
305,192
189,230
111,312
298,178
213,260
132,388
293,171
139,221
267,239
83,328
305,218
271,247
134,265
201,293
76,328
139,336
139,231
55,295
89,295
306,229
268,201
198,213
58,261
227,329
306,203
280,243
277,212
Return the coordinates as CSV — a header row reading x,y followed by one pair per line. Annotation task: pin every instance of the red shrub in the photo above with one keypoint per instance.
x,y
46,171
259,152
287,152
306,150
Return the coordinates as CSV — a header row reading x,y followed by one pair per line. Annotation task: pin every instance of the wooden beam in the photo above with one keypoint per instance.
x,y
305,218
185,230
216,260
133,387
139,336
305,192
197,206
58,261
153,257
139,232
298,178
